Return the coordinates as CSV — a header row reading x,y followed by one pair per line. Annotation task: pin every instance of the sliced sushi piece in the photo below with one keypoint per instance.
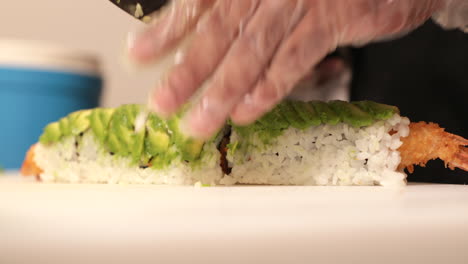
x,y
359,143
297,143
103,146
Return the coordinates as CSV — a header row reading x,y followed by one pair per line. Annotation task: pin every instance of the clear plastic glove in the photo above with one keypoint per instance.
x,y
453,15
251,53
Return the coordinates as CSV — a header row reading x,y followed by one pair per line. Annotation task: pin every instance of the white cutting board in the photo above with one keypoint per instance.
x,y
44,223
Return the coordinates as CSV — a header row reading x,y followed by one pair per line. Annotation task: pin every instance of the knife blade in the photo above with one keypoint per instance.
x,y
140,8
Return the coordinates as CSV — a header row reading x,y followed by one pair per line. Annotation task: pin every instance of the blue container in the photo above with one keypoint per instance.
x,y
39,85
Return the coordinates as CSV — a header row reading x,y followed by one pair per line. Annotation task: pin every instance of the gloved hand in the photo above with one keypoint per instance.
x,y
251,53
454,15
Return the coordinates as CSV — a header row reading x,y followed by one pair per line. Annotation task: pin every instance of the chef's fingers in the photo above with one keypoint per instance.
x,y
362,21
212,40
453,14
328,24
245,63
304,48
167,30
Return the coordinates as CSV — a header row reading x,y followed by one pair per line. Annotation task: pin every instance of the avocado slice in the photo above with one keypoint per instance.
x,y
289,113
114,144
326,113
99,119
190,149
79,122
274,120
123,140
75,123
157,140
65,126
307,113
377,110
138,145
52,133
161,161
351,114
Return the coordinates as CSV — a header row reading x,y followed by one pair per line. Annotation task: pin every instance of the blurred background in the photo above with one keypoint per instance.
x,y
32,96
95,26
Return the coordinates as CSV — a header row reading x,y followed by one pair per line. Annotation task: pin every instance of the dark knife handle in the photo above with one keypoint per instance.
x,y
146,7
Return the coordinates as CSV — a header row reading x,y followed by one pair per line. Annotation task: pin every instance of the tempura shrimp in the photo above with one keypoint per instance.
x,y
428,141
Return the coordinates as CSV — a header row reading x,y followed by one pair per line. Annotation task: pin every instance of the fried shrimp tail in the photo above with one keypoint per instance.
x,y
428,141
29,166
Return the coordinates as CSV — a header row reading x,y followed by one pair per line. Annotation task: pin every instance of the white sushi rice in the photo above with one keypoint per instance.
x,y
324,155
65,162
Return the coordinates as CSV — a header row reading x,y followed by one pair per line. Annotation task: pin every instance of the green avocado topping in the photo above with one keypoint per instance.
x,y
52,133
156,145
157,139
308,114
351,114
122,139
291,114
303,115
162,141
378,111
326,113
100,119
189,148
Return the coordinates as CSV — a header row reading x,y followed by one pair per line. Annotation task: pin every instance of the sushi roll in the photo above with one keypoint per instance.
x,y
319,143
297,143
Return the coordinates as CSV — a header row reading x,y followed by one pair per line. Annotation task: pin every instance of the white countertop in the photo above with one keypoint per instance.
x,y
421,223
